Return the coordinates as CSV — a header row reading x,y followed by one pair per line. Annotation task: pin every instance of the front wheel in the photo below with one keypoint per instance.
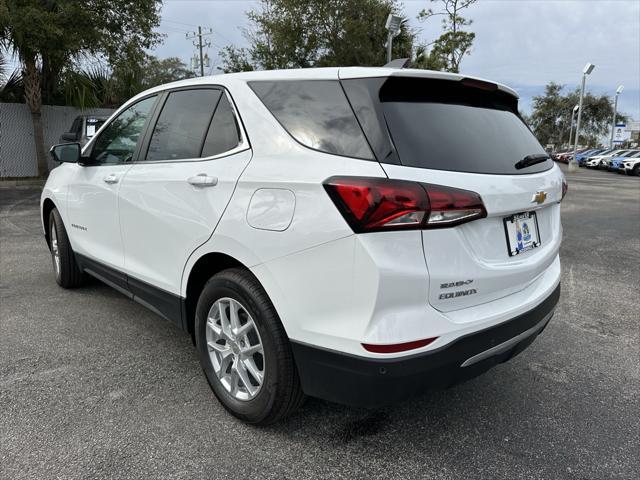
x,y
244,350
65,267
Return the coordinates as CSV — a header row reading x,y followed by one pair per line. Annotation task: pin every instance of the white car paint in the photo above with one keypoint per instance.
x,y
629,165
269,211
597,160
92,205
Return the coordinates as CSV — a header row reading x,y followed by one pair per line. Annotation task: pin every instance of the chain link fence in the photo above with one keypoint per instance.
x,y
17,148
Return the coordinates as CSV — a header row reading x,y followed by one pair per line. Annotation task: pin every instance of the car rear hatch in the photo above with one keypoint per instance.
x,y
467,134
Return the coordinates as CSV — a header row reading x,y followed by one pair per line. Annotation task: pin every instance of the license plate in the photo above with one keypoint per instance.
x,y
522,234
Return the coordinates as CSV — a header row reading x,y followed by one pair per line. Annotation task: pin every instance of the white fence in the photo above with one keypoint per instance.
x,y
17,147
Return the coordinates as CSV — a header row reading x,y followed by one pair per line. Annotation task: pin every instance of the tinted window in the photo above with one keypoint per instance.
x,y
363,95
117,142
223,134
317,114
182,124
93,125
446,125
76,127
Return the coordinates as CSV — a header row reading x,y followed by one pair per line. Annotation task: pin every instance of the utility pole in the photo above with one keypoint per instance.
x,y
200,45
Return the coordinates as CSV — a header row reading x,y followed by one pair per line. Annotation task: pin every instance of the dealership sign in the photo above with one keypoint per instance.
x,y
619,133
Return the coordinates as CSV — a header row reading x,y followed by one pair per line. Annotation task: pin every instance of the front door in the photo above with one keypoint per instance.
x,y
93,194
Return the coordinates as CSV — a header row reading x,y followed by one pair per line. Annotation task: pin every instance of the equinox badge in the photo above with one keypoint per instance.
x,y
539,197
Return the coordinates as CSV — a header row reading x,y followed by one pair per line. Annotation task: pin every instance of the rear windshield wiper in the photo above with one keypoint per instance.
x,y
531,160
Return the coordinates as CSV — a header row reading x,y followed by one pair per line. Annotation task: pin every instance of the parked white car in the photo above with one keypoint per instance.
x,y
632,166
597,160
354,234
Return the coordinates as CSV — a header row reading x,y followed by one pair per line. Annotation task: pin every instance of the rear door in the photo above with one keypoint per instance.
x,y
172,199
468,135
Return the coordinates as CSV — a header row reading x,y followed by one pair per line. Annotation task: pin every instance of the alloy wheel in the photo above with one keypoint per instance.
x,y
55,251
235,348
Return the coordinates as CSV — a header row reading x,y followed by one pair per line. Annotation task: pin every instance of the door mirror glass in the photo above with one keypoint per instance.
x,y
66,152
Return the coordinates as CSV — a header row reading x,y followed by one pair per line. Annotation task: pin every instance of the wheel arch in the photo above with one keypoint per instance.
x,y
47,207
203,269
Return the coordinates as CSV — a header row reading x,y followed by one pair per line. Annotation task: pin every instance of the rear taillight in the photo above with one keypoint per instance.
x,y
377,204
565,187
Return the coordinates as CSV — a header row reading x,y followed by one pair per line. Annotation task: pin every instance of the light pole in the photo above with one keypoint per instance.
x,y
615,112
393,25
573,117
588,68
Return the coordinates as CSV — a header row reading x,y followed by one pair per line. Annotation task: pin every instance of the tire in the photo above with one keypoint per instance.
x,y
279,393
65,267
636,170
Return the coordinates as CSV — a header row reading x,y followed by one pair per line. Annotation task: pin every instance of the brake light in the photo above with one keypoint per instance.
x,y
379,204
565,187
481,84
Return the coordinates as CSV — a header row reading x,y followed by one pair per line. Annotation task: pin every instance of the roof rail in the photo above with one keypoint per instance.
x,y
398,63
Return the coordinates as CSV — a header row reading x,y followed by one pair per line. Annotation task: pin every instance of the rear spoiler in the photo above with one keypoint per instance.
x,y
398,63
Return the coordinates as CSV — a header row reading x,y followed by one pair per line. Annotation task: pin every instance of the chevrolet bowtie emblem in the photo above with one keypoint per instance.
x,y
539,197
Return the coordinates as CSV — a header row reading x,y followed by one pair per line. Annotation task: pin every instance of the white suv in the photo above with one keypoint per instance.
x,y
354,234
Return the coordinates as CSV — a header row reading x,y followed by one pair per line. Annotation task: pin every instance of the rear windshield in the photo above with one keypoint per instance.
x,y
446,125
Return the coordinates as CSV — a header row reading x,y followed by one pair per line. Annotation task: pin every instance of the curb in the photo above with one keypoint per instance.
x,y
21,182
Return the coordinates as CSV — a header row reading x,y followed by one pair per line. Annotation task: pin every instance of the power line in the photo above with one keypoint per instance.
x,y
164,19
200,45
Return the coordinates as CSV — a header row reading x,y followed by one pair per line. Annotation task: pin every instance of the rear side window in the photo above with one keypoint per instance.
x,y
447,125
182,124
224,133
317,114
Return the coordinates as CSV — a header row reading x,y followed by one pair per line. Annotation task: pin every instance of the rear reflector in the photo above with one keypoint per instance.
x,y
380,204
398,347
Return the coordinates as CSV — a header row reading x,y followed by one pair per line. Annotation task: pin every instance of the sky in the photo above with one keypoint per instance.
x,y
522,43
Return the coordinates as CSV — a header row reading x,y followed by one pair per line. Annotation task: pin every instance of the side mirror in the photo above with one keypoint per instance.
x,y
68,137
66,152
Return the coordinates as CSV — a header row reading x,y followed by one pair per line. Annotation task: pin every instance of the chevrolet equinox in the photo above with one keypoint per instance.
x,y
354,234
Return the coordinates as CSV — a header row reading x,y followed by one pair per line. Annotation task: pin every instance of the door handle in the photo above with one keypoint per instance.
x,y
203,180
111,178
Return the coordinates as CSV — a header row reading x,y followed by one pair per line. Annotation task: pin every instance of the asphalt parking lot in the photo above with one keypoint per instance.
x,y
92,385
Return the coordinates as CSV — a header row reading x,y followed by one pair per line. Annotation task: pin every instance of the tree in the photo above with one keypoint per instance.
x,y
47,36
551,116
236,59
318,33
448,50
101,86
157,72
11,87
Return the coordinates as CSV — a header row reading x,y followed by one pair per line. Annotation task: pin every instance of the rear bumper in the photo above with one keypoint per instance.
x,y
367,382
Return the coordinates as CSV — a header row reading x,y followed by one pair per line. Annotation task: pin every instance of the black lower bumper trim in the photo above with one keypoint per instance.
x,y
367,382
